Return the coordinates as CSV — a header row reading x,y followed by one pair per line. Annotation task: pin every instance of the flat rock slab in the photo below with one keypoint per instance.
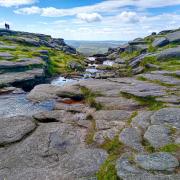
x,y
7,47
160,78
16,77
158,136
9,65
117,103
53,149
159,42
157,161
132,138
5,55
169,116
15,128
46,91
108,119
173,37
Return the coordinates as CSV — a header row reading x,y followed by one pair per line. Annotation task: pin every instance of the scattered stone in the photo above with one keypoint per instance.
x,y
132,138
169,116
15,128
157,161
158,136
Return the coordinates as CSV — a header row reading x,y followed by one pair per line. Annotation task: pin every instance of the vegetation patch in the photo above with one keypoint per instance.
x,y
170,148
90,134
148,101
90,96
134,114
107,170
147,146
128,56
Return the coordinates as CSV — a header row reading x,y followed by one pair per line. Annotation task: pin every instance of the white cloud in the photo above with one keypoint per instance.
x,y
28,11
10,3
129,17
103,7
94,17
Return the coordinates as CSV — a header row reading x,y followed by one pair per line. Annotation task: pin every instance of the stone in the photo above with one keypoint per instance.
x,y
173,99
158,136
15,128
161,78
105,75
32,77
138,70
46,91
174,36
160,42
132,138
157,161
5,55
169,54
7,47
117,103
170,116
126,170
120,61
142,120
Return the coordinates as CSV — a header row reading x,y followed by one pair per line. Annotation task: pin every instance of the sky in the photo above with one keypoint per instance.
x,y
91,19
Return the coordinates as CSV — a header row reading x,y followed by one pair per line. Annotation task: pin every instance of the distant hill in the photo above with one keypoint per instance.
x,y
92,47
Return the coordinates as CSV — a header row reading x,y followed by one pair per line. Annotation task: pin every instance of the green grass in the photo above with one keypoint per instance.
x,y
148,101
107,170
90,96
151,49
128,56
90,133
170,148
134,114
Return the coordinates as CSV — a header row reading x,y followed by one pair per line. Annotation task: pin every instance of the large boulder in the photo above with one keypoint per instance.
x,y
160,42
169,54
174,37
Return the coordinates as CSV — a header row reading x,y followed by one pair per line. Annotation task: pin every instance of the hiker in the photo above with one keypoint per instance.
x,y
7,26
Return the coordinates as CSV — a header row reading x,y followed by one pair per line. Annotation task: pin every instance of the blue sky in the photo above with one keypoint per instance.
x,y
91,19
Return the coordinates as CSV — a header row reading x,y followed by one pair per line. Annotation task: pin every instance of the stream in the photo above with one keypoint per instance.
x,y
18,104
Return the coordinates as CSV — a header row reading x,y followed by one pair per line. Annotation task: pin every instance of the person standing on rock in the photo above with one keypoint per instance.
x,y
7,26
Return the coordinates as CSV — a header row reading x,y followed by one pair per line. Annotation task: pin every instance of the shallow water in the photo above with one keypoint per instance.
x,y
17,104
108,63
61,81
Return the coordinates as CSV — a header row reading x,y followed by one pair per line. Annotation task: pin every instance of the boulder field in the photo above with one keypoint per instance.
x,y
122,127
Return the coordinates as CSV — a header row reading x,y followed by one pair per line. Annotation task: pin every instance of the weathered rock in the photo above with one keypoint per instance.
x,y
174,37
126,170
173,99
161,78
15,128
132,138
157,161
138,70
159,42
5,55
169,54
19,79
46,91
117,103
105,75
169,116
158,136
142,120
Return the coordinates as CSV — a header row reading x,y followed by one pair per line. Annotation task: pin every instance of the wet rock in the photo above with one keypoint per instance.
x,y
132,138
170,116
169,53
15,128
159,42
142,120
158,136
157,161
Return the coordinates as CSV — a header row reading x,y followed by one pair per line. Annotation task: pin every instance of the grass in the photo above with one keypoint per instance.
x,y
151,49
90,134
90,96
170,148
134,114
148,101
107,170
128,56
